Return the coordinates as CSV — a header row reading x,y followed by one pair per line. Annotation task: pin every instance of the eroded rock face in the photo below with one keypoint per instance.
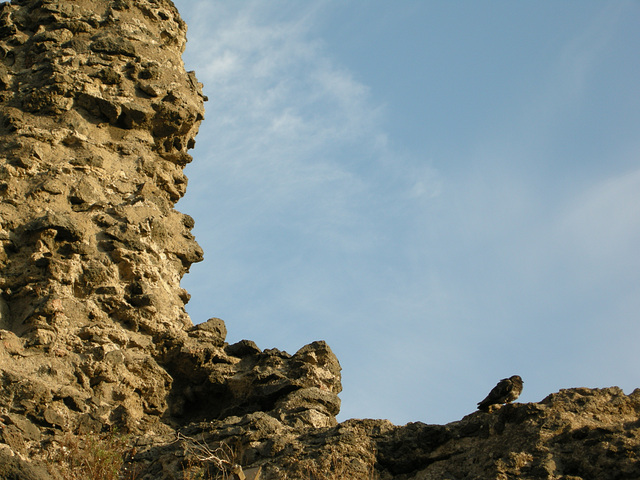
x,y
96,116
213,382
575,434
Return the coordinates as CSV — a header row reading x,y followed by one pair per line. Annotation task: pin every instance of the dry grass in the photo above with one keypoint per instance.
x,y
107,456
94,456
333,467
210,463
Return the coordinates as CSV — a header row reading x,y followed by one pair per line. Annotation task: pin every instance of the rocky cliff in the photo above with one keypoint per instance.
x,y
103,374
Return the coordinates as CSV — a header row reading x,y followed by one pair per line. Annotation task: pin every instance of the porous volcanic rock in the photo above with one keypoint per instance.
x,y
575,434
91,248
97,114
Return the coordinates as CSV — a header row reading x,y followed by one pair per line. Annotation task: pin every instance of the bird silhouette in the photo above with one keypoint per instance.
x,y
507,390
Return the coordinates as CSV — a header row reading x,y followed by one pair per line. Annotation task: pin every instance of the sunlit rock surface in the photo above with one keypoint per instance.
x,y
97,114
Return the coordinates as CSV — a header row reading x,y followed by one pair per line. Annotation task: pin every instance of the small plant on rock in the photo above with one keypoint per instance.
x,y
223,460
94,456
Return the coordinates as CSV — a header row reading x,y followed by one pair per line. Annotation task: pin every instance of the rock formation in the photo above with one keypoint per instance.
x,y
96,116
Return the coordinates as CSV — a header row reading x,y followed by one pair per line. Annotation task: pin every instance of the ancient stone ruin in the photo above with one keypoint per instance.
x,y
97,114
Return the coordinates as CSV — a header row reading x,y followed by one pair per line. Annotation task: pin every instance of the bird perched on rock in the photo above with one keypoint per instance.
x,y
507,390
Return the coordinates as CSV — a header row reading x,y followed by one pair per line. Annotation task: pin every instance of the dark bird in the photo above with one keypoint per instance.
x,y
507,390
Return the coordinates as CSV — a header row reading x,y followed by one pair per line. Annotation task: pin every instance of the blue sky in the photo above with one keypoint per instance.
x,y
448,193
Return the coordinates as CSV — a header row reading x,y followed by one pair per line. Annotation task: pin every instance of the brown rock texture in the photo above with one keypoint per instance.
x,y
97,353
96,118
575,434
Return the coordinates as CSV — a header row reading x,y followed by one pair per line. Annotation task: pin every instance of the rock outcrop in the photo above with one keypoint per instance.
x,y
96,116
574,434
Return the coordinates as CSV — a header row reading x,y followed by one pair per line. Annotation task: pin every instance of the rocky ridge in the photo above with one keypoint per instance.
x,y
97,114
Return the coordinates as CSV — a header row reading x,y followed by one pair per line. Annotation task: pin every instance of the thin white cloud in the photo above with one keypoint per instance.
x,y
270,76
580,56
600,228
279,107
294,146
313,225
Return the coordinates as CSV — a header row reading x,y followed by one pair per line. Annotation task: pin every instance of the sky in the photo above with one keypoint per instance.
x,y
448,193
